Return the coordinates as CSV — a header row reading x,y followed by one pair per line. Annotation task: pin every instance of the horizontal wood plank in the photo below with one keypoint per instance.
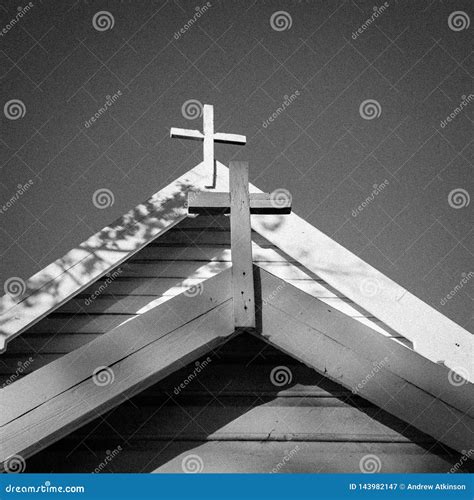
x,y
243,457
282,419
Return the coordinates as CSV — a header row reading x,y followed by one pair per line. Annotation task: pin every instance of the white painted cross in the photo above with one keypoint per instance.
x,y
240,204
208,136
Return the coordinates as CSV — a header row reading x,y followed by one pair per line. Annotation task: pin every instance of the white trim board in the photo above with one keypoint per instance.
x,y
433,335
66,277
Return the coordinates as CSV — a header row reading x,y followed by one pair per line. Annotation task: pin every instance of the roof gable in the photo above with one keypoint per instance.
x,y
316,332
433,335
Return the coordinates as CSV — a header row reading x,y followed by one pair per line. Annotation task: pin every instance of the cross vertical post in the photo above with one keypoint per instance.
x,y
208,132
241,246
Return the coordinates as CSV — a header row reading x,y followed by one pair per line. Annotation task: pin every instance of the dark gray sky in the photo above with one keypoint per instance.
x,y
414,60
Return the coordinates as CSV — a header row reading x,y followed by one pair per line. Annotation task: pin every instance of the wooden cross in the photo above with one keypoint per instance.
x,y
240,204
208,136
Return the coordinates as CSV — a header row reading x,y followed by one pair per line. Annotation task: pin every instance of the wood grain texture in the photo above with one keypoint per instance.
x,y
241,246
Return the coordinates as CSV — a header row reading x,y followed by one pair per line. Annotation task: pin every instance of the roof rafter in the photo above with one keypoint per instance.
x,y
68,393
383,372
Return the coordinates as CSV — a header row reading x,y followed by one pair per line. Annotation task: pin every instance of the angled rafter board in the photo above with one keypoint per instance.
x,y
327,341
84,402
433,335
137,355
50,288
47,382
379,350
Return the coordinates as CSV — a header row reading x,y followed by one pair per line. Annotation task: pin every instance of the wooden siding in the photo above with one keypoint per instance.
x,y
196,249
236,420
232,416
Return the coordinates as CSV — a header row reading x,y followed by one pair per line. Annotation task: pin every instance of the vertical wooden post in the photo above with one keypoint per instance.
x,y
208,132
241,246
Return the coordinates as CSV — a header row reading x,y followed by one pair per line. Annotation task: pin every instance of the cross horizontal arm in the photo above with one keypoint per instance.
x,y
222,138
184,133
219,203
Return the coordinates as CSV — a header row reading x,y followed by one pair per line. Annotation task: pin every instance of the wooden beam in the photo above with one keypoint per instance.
x,y
395,357
433,334
212,203
208,130
130,375
241,246
327,341
53,379
183,133
223,138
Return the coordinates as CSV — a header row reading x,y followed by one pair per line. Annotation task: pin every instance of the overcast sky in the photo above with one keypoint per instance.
x,y
369,104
